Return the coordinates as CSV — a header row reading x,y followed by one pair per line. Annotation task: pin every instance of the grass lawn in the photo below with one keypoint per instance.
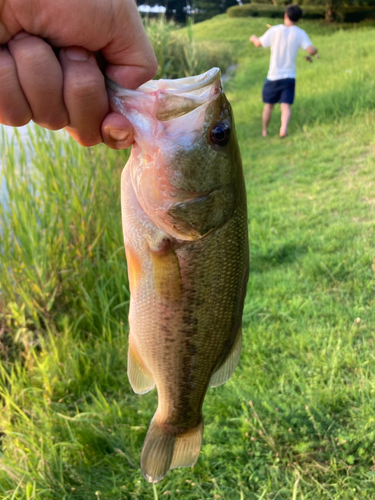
x,y
297,420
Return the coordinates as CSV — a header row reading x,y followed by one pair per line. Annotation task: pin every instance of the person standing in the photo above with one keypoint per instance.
x,y
284,40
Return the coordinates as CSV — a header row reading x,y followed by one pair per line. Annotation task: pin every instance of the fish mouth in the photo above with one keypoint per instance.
x,y
177,86
169,99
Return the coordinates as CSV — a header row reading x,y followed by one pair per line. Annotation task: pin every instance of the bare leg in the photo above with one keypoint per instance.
x,y
266,117
285,117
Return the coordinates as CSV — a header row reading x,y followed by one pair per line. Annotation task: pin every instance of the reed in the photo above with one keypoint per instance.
x,y
180,55
61,246
297,418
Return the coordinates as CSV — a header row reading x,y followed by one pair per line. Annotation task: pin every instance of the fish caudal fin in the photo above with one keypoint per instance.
x,y
157,453
226,370
163,451
187,447
139,377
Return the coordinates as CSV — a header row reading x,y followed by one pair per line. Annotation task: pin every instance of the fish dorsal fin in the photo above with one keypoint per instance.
x,y
139,377
224,373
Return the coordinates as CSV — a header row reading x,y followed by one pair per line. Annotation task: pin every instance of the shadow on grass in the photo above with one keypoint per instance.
x,y
283,254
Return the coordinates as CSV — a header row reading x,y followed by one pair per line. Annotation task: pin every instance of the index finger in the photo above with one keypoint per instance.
x,y
111,26
131,58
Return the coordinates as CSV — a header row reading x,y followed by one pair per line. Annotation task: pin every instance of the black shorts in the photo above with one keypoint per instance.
x,y
279,91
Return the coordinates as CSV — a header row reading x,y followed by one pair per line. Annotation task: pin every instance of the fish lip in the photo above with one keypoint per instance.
x,y
175,87
161,102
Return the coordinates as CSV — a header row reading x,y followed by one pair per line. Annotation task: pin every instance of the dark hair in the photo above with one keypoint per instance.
x,y
294,13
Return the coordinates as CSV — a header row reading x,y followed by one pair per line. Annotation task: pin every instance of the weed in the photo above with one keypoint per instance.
x,y
70,426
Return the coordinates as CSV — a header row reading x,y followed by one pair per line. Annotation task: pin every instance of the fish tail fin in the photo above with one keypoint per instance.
x,y
187,447
163,450
157,452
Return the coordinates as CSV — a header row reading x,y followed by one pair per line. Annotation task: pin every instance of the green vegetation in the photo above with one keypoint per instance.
x,y
297,420
204,9
180,55
274,11
338,11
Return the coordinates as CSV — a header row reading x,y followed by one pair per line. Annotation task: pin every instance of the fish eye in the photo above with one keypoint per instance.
x,y
220,134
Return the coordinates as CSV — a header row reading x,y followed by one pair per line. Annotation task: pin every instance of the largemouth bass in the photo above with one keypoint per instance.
x,y
184,219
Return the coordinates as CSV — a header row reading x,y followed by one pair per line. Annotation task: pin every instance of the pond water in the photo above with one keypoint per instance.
x,y
9,133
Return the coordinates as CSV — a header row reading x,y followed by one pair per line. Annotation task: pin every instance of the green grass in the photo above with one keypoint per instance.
x,y
179,54
297,420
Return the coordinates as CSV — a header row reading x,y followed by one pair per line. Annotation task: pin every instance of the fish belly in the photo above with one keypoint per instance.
x,y
185,317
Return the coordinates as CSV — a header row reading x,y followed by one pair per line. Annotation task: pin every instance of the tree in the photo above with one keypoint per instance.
x,y
175,8
332,6
329,10
209,8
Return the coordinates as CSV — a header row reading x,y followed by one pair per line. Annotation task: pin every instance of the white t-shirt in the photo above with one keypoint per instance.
x,y
284,42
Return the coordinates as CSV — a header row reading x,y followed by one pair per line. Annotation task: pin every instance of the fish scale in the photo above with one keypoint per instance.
x,y
184,215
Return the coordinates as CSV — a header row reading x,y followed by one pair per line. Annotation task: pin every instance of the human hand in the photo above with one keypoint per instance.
x,y
68,90
255,40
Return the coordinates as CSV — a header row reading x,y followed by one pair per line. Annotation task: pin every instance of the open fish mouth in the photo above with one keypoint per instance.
x,y
168,99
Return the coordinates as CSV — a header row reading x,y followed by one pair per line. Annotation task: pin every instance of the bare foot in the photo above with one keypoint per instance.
x,y
264,133
283,134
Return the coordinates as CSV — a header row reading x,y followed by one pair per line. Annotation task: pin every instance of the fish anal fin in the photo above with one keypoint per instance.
x,y
226,370
139,377
166,273
187,447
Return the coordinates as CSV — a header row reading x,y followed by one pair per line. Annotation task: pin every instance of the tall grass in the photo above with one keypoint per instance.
x,y
61,246
180,55
297,419
63,309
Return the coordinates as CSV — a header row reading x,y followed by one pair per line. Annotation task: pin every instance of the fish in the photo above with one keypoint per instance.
x,y
184,216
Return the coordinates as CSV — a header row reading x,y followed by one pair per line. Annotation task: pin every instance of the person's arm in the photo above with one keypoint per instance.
x,y
68,90
305,44
312,50
255,41
263,41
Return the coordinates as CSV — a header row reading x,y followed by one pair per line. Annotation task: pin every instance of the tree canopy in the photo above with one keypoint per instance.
x,y
204,8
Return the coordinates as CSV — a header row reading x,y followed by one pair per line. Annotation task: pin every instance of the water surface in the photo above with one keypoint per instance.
x,y
7,133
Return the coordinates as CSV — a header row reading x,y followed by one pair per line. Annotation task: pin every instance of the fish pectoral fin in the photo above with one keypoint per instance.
x,y
134,269
196,217
139,377
166,274
226,370
187,447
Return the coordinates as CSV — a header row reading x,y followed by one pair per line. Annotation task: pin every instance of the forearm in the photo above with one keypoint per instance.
x,y
255,41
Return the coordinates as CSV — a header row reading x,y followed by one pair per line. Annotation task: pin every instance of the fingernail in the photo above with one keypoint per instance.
x,y
119,135
77,54
20,34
